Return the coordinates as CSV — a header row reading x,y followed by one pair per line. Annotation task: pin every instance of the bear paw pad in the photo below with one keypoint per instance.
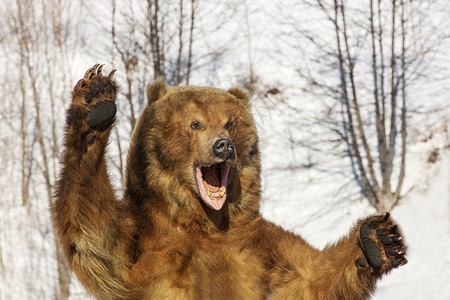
x,y
382,243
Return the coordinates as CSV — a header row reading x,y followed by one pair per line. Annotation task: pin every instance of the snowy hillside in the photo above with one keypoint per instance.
x,y
424,216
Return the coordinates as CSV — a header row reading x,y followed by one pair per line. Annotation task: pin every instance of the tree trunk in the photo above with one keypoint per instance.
x,y
63,291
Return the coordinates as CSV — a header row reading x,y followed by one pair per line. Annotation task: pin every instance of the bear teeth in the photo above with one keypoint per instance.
x,y
216,195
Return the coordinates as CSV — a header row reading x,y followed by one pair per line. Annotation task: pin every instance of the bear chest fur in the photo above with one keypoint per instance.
x,y
185,266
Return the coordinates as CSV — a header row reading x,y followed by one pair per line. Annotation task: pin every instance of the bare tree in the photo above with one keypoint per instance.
x,y
381,196
39,41
29,70
373,57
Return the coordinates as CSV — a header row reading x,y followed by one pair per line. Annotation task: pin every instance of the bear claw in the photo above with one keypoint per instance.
x,y
111,74
99,69
91,71
382,243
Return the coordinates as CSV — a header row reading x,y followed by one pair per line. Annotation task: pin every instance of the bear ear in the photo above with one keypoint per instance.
x,y
156,90
240,94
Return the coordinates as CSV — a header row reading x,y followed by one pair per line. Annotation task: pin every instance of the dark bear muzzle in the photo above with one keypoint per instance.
x,y
224,149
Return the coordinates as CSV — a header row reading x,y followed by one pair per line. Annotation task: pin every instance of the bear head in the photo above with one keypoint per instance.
x,y
195,148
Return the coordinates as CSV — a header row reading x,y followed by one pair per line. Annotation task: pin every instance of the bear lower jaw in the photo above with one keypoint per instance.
x,y
212,183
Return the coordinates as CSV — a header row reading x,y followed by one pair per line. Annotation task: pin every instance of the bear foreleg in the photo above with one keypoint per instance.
x,y
348,269
95,229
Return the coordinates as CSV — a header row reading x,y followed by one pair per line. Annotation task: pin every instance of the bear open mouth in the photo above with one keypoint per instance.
x,y
212,183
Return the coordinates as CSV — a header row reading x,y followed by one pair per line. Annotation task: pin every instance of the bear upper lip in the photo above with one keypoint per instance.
x,y
212,183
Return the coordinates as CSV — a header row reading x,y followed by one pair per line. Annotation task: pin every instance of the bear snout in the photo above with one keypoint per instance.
x,y
224,149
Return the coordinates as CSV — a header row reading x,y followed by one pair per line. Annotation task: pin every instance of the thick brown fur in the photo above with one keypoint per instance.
x,y
161,241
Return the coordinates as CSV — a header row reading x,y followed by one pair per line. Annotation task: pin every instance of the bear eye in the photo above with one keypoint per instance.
x,y
228,126
196,125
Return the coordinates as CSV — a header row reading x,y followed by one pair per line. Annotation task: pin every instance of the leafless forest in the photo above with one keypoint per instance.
x,y
349,77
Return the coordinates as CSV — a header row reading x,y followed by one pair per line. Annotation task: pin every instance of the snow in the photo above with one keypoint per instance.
x,y
424,216
425,219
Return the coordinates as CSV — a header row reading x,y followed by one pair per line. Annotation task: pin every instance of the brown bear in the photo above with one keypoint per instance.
x,y
188,225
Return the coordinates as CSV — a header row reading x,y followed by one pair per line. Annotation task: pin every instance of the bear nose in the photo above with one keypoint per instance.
x,y
224,149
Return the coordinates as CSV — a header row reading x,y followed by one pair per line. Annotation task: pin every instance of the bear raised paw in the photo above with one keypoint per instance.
x,y
188,225
382,243
93,107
